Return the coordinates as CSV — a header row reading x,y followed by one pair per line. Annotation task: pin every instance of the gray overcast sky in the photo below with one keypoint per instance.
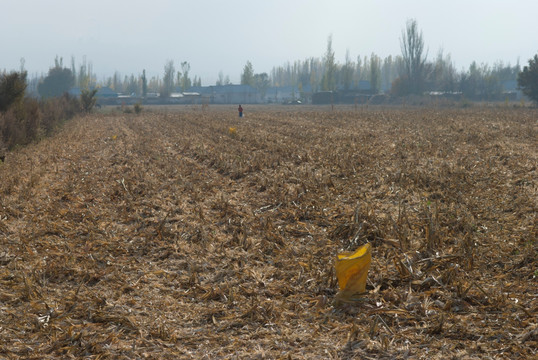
x,y
131,35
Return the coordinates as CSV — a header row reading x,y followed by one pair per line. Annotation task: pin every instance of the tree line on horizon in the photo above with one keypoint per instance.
x,y
409,73
31,109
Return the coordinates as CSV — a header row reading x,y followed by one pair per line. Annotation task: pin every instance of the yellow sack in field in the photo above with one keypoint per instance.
x,y
352,271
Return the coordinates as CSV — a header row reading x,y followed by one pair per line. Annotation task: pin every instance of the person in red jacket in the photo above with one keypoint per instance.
x,y
240,109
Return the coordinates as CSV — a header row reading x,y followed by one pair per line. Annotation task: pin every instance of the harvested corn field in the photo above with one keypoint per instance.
x,y
194,234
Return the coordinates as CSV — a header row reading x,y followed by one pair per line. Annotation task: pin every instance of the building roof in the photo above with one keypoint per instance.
x,y
364,85
103,91
289,89
223,89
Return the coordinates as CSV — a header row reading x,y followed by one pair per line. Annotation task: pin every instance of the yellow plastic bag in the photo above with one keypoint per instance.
x,y
352,271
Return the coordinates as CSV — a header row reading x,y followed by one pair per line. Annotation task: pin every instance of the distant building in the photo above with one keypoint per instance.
x,y
103,92
358,94
364,85
192,97
228,94
283,94
106,92
511,92
325,97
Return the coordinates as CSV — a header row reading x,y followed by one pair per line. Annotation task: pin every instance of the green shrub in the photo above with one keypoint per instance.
x,y
23,120
138,108
88,99
527,79
58,81
12,89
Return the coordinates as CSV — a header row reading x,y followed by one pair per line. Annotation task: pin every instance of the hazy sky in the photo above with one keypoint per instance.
x,y
213,36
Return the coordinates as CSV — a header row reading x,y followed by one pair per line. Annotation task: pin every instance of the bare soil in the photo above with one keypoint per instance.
x,y
169,235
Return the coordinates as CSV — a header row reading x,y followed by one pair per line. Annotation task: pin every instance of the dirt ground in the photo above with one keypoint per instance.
x,y
182,233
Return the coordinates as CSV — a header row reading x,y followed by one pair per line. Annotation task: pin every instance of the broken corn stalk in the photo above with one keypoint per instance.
x,y
352,271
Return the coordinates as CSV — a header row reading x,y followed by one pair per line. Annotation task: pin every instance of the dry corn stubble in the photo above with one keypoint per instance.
x,y
163,235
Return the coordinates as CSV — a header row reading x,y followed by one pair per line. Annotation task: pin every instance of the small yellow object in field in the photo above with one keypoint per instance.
x,y
232,131
352,271
114,137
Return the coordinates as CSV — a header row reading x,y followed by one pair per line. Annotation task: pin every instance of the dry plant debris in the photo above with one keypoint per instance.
x,y
167,235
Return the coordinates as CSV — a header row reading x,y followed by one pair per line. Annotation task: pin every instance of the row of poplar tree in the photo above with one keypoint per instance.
x,y
410,72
